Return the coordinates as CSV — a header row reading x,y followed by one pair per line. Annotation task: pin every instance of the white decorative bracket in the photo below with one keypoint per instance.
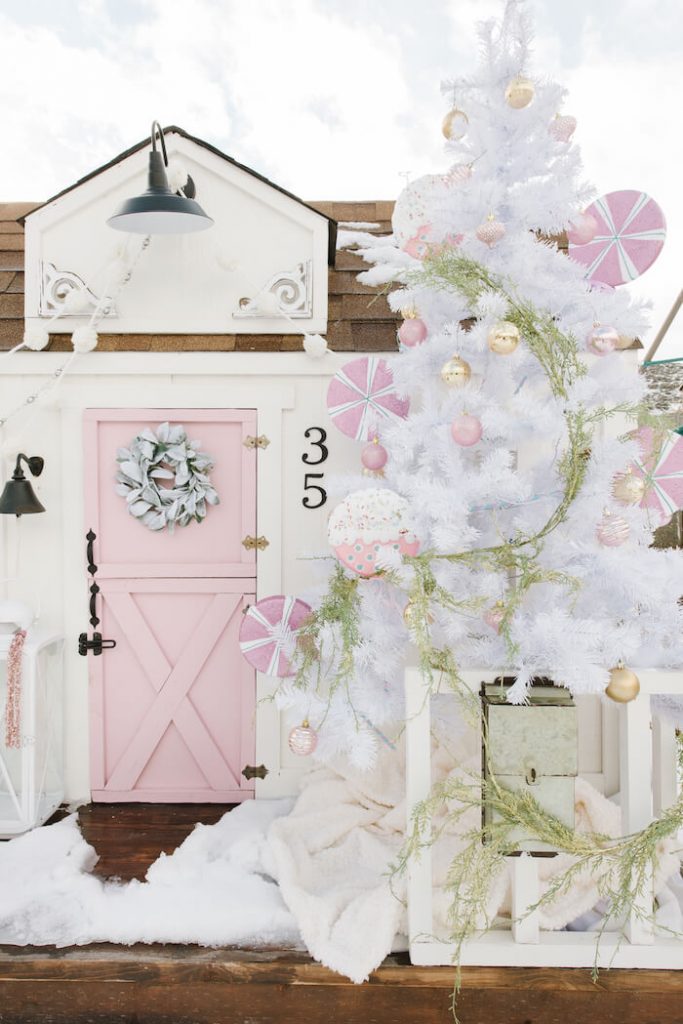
x,y
293,293
56,284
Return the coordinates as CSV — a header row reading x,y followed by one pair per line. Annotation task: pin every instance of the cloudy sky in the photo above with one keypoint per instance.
x,y
332,99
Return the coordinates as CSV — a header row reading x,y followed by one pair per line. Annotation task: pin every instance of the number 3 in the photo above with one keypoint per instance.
x,y
320,443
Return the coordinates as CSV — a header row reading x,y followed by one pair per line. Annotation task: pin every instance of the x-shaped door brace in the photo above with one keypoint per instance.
x,y
172,684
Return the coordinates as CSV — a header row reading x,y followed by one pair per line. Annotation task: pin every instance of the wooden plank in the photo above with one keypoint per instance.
x,y
11,306
11,211
12,242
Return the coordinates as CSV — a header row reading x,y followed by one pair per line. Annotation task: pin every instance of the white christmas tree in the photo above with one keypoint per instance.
x,y
511,469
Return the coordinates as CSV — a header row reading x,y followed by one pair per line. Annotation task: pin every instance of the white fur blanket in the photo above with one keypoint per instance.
x,y
329,855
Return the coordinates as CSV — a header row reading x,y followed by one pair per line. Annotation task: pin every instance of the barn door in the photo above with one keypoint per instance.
x,y
172,704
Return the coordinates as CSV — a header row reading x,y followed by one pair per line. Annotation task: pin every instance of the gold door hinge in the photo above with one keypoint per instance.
x,y
256,442
251,772
255,542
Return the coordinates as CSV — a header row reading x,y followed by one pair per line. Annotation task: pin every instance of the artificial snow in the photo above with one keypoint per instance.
x,y
314,874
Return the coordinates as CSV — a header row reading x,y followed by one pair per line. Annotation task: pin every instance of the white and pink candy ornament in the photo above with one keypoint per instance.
x,y
369,525
361,395
268,633
602,339
466,430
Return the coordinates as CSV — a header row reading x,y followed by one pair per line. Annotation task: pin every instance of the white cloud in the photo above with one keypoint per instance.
x,y
329,99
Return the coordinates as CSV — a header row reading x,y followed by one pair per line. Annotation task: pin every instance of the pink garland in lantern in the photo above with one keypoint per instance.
x,y
13,708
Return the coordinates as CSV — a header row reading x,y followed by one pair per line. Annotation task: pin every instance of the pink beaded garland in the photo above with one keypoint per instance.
x,y
303,740
583,229
602,339
374,456
412,332
466,430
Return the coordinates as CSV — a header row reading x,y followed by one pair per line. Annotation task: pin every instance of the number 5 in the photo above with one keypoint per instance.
x,y
306,501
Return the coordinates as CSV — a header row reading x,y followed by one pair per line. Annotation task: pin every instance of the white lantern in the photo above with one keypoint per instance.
x,y
31,775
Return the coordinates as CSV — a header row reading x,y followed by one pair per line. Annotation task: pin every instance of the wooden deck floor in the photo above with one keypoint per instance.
x,y
106,984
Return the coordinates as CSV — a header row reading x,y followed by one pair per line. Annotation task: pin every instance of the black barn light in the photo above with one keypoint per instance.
x,y
18,497
158,211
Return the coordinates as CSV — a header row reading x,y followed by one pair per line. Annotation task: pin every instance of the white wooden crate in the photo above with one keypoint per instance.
x,y
648,784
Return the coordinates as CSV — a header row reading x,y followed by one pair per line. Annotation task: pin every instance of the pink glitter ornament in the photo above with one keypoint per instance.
x,y
458,174
374,457
491,231
303,739
466,430
612,530
602,339
583,229
562,127
494,616
13,704
267,631
412,332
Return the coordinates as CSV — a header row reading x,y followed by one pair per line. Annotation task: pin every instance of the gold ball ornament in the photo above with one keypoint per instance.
x,y
624,685
624,341
628,488
456,372
454,125
519,93
409,615
503,338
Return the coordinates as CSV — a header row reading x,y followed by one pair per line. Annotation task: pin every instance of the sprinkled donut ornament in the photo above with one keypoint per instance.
x,y
368,527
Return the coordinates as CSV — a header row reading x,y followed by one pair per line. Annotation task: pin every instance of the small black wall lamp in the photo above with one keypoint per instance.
x,y
18,497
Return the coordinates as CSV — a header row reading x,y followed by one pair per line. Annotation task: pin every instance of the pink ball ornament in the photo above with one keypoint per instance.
x,y
491,231
374,457
412,332
583,229
303,740
602,339
494,616
612,531
466,430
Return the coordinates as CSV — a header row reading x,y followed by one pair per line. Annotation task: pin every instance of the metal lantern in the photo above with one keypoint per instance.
x,y
31,775
532,747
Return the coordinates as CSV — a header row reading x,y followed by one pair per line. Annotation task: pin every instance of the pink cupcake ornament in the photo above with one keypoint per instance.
x,y
369,525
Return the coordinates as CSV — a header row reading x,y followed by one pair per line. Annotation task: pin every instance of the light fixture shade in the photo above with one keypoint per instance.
x,y
158,211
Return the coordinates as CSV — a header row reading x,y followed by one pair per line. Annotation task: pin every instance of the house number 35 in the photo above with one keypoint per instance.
x,y
315,496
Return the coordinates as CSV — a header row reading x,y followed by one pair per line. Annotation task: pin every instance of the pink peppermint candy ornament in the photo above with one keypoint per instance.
x,y
361,395
268,630
629,238
660,466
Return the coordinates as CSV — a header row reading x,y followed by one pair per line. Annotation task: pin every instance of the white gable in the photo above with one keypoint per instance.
x,y
263,241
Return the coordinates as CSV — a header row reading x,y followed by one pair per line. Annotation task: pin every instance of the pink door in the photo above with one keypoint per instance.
x,y
172,705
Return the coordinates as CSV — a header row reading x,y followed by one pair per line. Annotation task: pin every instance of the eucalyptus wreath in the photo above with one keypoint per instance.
x,y
165,455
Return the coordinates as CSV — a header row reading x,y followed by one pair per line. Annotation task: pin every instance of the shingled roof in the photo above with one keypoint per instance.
x,y
359,318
